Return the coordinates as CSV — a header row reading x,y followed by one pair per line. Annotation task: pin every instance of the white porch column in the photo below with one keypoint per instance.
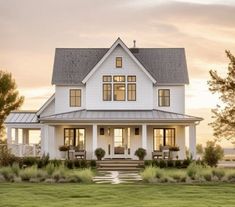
x,y
9,135
94,140
16,135
144,136
192,140
25,136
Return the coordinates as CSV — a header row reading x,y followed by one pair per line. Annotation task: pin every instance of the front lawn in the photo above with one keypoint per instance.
x,y
71,195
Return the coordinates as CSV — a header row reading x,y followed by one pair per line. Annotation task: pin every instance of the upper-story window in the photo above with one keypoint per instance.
x,y
75,97
163,97
117,88
118,62
131,88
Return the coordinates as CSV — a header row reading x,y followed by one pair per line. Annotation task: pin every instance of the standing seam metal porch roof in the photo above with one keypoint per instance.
x,y
120,115
22,117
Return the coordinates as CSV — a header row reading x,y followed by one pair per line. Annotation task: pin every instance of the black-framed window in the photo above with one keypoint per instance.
x,y
107,78
164,97
118,62
163,137
131,92
119,92
119,78
75,97
75,137
131,78
107,92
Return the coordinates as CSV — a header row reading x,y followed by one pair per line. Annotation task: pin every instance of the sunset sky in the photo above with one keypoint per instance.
x,y
32,29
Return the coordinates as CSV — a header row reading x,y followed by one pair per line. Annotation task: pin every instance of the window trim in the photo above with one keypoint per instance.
x,y
107,83
119,83
132,83
131,76
120,59
70,90
164,97
107,76
74,136
164,136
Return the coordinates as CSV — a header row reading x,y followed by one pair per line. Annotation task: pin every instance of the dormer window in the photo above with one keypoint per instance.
x,y
75,97
118,62
164,97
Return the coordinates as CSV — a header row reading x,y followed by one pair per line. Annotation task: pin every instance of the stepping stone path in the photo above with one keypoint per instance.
x,y
117,177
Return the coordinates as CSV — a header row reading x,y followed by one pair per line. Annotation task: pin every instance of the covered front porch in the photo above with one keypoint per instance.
x,y
119,140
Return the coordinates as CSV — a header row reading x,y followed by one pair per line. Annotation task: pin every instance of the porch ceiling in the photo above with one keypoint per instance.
x,y
120,115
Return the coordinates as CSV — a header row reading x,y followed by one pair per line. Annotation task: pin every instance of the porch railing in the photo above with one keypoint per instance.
x,y
23,150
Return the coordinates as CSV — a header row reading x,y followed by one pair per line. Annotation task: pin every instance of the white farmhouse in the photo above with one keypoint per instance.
x,y
117,98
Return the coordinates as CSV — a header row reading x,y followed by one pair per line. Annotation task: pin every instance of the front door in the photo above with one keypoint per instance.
x,y
120,143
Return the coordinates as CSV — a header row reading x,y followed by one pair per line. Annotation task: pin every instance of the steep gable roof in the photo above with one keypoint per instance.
x,y
166,65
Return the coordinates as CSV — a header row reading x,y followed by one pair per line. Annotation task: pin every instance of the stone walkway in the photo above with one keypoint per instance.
x,y
117,177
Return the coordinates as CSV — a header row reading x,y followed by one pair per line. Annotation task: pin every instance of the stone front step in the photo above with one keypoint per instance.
x,y
120,165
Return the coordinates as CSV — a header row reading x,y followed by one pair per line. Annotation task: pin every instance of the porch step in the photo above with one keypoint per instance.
x,y
120,165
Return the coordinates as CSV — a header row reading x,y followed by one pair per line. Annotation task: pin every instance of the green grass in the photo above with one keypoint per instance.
x,y
71,195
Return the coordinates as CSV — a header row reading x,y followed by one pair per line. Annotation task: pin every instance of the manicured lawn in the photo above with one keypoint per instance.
x,y
71,195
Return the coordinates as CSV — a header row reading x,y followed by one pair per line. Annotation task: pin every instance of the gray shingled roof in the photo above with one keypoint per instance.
x,y
166,65
22,117
120,115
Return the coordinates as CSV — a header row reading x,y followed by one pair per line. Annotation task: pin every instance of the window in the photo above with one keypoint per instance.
x,y
163,137
75,97
131,78
163,97
107,92
107,78
119,92
118,62
120,78
131,92
115,88
75,137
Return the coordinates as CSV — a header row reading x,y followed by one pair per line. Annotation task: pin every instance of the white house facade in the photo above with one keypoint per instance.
x,y
117,98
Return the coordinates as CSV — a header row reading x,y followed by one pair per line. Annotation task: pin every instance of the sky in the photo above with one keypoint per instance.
x,y
30,30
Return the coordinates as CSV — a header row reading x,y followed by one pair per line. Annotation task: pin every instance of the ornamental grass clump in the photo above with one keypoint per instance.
x,y
28,173
193,169
7,173
218,172
149,174
177,175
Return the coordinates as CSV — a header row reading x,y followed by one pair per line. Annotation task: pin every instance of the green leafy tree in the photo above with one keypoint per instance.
x,y
9,97
224,116
213,153
199,149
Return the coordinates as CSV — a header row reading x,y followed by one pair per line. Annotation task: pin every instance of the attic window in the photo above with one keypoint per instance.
x,y
75,97
118,62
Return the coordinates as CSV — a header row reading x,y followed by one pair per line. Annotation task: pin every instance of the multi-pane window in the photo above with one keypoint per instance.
x,y
119,78
131,92
75,97
131,78
107,92
118,62
163,97
107,78
75,137
119,92
163,137
115,88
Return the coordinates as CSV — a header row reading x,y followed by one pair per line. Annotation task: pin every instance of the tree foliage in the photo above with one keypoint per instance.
x,y
224,116
212,153
9,97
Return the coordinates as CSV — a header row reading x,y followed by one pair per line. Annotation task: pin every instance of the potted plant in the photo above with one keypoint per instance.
x,y
140,153
63,151
99,153
174,152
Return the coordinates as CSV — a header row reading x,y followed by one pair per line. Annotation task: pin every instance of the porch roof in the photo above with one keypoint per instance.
x,y
119,115
22,117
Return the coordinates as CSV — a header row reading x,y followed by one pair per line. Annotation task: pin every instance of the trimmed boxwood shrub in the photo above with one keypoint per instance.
x,y
162,164
170,163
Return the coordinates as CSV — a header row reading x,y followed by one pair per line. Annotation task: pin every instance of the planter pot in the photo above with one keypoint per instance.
x,y
174,154
63,154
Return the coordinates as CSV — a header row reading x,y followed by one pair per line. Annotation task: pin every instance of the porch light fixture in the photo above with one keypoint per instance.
x,y
101,131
